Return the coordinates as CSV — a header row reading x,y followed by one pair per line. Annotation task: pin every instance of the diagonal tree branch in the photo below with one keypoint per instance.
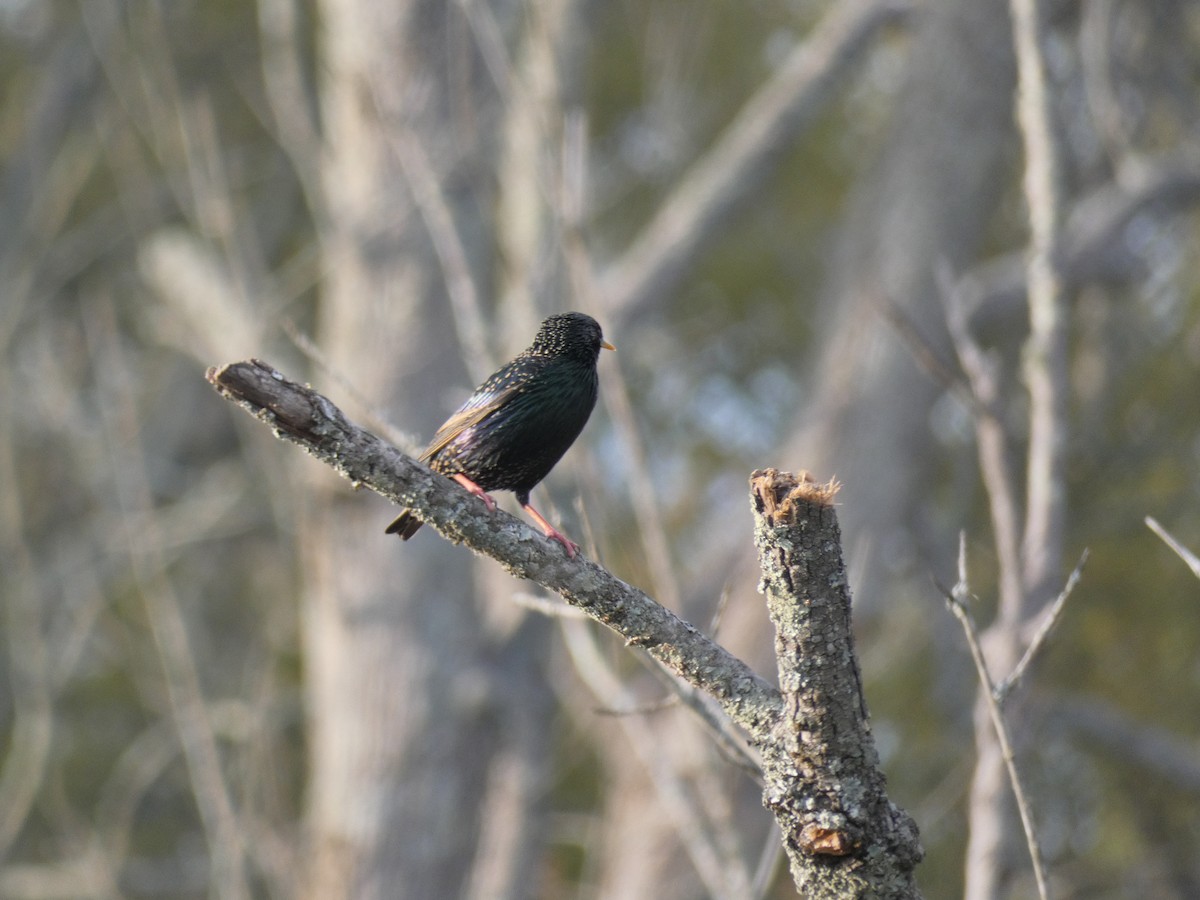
x,y
1049,618
1193,562
302,416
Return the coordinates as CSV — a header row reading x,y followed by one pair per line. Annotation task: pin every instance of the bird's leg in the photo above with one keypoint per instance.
x,y
550,531
475,489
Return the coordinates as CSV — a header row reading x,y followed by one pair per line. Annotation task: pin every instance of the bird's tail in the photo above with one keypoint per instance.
x,y
405,525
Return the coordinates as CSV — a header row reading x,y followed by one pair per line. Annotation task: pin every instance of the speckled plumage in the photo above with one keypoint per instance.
x,y
518,424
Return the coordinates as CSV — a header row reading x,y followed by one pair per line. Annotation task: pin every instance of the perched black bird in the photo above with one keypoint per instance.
x,y
519,423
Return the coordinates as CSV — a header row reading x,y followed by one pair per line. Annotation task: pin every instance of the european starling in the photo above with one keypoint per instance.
x,y
519,423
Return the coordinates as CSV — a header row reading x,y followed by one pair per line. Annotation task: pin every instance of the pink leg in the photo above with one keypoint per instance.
x,y
476,490
550,531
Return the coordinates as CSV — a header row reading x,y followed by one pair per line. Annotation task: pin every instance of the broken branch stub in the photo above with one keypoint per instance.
x,y
823,782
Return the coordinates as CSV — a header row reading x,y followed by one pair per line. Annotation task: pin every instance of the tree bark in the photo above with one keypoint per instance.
x,y
842,836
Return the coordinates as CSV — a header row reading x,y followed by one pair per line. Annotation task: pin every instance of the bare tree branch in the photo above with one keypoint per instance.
x,y
993,449
956,600
1049,619
1184,553
304,417
1046,372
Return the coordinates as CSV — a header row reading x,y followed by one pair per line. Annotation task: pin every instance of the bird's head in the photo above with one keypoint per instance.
x,y
570,334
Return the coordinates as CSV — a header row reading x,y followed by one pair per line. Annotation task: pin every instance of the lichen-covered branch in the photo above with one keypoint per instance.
x,y
842,835
299,414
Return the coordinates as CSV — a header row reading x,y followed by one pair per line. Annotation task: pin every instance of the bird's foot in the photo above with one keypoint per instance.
x,y
475,489
555,535
551,532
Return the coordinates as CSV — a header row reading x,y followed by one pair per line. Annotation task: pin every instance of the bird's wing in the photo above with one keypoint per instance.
x,y
467,417
490,396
